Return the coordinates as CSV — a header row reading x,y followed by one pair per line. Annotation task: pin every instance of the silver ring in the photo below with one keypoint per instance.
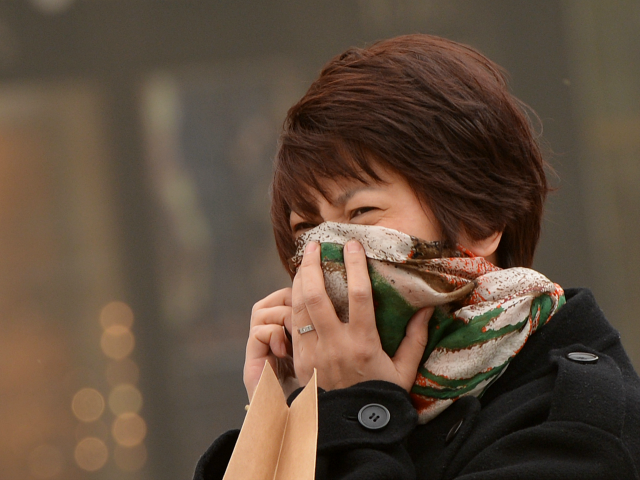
x,y
307,329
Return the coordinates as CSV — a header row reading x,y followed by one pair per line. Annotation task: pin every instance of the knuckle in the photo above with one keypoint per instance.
x,y
265,317
421,341
307,261
313,298
260,330
254,330
256,316
264,332
255,335
360,293
361,355
355,259
298,308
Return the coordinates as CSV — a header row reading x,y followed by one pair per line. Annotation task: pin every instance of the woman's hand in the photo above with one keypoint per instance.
x,y
348,353
267,340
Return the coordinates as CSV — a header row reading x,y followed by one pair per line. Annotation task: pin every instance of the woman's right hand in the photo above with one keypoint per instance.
x,y
267,339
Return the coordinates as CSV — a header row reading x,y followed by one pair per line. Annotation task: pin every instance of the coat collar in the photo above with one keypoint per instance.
x,y
579,321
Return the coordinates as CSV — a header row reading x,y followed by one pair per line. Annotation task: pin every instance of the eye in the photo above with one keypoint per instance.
x,y
360,211
299,227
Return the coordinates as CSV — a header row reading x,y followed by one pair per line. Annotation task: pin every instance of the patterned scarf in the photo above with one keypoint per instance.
x,y
483,316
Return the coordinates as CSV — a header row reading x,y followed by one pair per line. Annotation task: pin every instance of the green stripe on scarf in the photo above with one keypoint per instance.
x,y
483,316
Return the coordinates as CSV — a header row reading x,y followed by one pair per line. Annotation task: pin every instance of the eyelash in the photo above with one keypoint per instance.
x,y
360,211
302,225
354,213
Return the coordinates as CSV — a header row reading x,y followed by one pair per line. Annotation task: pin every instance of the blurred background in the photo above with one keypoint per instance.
x,y
136,140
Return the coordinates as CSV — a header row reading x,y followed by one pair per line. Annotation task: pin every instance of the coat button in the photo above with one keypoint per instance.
x,y
454,430
374,416
582,357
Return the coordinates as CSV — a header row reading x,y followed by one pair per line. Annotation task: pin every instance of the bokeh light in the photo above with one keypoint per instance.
x,y
129,429
46,461
91,454
130,459
117,342
125,398
87,404
116,313
52,7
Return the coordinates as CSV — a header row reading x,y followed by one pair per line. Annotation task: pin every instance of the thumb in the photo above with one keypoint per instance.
x,y
409,353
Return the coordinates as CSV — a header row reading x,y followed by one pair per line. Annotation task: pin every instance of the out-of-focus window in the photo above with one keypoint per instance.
x,y
70,404
604,48
171,216
211,135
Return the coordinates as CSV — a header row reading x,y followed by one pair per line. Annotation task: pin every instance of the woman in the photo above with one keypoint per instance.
x,y
419,135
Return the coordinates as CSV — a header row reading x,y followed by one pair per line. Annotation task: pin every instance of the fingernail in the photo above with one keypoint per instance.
x,y
311,247
353,246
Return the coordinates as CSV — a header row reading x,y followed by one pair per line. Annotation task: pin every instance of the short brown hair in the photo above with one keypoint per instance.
x,y
436,112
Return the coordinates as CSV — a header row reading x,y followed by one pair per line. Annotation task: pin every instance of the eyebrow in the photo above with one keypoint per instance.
x,y
338,202
346,196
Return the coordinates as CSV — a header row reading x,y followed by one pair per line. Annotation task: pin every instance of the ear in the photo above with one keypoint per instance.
x,y
486,247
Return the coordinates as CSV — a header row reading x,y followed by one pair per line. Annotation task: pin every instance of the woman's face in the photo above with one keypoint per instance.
x,y
390,203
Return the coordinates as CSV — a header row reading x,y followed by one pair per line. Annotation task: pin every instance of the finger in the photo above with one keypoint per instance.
x,y
299,314
275,299
266,339
273,315
318,305
252,372
266,342
361,310
303,345
409,353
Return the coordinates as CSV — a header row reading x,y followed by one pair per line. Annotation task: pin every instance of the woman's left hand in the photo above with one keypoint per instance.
x,y
348,353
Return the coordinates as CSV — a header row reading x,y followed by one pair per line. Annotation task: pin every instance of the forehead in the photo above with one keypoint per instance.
x,y
335,191
338,191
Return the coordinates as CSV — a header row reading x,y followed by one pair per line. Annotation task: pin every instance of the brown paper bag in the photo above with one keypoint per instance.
x,y
277,442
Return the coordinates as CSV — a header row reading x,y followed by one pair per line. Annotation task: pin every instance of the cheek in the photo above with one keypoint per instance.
x,y
417,223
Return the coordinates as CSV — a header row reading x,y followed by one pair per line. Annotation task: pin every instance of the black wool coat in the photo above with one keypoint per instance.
x,y
554,414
